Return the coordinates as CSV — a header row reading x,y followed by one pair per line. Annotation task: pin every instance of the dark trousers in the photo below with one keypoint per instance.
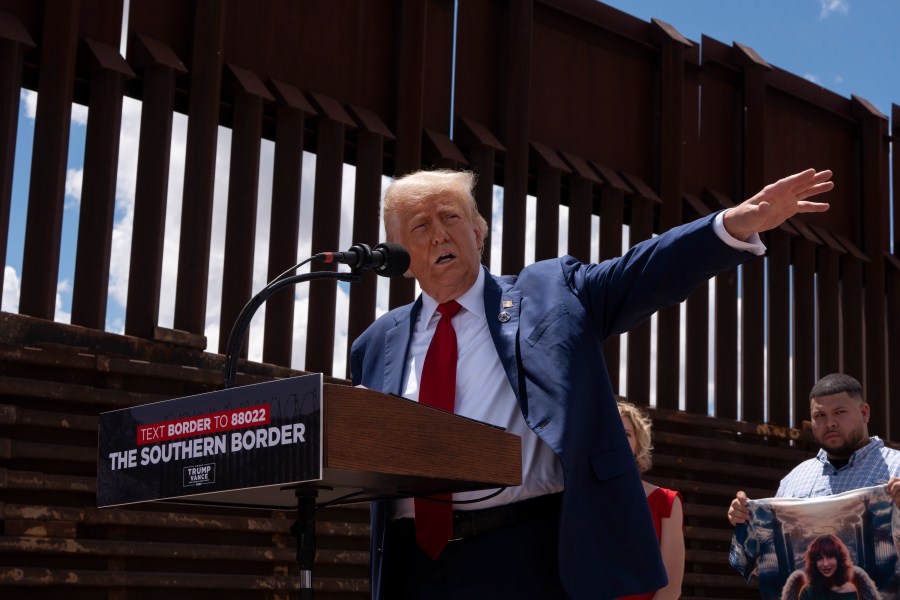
x,y
517,561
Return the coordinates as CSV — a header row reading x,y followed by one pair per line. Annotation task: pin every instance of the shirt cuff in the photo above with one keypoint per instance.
x,y
753,243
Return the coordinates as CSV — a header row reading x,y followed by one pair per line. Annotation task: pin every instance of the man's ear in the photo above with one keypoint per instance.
x,y
479,238
864,409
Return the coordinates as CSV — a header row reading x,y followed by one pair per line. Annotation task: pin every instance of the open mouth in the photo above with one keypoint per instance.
x,y
444,259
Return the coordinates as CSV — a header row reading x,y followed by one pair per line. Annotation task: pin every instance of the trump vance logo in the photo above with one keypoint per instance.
x,y
199,474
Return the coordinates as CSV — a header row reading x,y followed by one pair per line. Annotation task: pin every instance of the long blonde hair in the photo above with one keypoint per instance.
x,y
642,427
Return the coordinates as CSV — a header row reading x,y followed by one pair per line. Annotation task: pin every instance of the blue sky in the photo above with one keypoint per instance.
x,y
847,46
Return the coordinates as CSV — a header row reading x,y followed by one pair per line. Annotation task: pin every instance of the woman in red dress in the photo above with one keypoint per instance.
x,y
665,505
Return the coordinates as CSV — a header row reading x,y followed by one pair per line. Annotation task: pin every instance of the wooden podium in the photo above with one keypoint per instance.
x,y
378,446
357,444
296,443
396,447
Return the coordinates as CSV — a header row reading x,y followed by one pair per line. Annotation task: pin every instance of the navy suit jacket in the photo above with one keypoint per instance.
x,y
551,349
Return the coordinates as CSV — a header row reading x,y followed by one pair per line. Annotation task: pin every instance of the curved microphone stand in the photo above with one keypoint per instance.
x,y
239,329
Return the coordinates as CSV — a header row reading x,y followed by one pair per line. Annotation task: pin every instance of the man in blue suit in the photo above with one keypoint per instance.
x,y
530,359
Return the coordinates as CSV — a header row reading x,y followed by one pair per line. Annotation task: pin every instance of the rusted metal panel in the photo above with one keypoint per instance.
x,y
250,96
801,134
479,81
753,329
875,243
99,20
720,118
345,50
369,168
852,317
14,42
482,146
158,67
440,152
726,330
43,228
612,217
108,74
333,120
778,332
641,205
671,191
892,286
200,165
581,202
828,305
548,198
284,226
516,94
607,63
804,319
895,170
696,359
410,108
753,302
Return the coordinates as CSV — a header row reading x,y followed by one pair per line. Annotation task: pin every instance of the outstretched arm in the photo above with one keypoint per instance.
x,y
778,202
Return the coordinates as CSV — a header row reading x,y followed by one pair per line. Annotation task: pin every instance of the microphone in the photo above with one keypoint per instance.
x,y
387,259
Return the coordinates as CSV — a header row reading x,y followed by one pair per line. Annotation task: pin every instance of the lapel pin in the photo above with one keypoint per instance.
x,y
506,304
504,317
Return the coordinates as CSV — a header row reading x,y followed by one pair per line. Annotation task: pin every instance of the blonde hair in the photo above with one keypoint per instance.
x,y
422,185
642,426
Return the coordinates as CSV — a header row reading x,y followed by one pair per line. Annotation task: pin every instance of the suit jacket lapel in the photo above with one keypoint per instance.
x,y
396,347
502,304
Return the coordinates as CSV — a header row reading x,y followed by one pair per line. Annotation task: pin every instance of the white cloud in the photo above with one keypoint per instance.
x,y
342,310
30,99
11,288
495,237
217,241
74,178
173,221
79,114
123,227
830,7
60,315
813,78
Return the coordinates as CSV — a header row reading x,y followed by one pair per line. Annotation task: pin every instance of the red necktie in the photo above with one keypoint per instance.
x,y
434,520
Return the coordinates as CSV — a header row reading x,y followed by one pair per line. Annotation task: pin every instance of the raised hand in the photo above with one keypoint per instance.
x,y
778,202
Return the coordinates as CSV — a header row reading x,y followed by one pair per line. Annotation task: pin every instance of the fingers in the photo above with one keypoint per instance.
x,y
893,489
804,206
798,183
815,190
738,511
807,178
823,175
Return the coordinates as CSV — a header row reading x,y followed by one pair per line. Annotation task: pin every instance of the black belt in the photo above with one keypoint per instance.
x,y
468,523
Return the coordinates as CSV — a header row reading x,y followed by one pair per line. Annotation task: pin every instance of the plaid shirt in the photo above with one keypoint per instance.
x,y
870,465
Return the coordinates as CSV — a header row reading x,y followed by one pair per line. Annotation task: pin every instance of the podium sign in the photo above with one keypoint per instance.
x,y
254,437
